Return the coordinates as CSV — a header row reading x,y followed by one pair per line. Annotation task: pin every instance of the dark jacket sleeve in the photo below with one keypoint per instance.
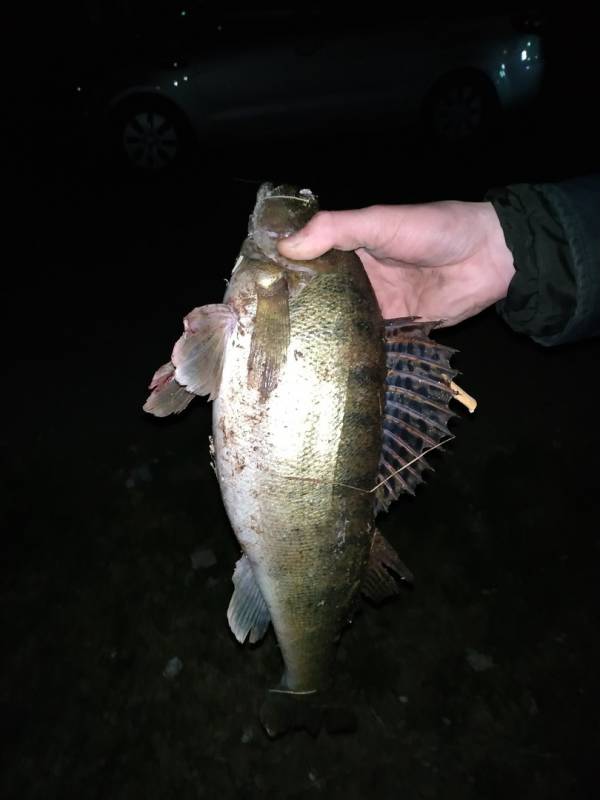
x,y
553,232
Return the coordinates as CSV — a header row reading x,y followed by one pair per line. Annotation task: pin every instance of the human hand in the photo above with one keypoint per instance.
x,y
443,261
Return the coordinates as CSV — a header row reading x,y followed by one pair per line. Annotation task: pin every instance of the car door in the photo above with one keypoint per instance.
x,y
256,70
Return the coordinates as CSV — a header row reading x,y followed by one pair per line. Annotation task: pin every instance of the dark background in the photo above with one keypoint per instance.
x,y
482,682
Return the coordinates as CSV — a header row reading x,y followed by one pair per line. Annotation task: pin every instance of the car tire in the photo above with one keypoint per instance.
x,y
150,137
461,108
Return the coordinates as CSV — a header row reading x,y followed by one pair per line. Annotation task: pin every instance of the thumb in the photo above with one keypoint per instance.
x,y
343,230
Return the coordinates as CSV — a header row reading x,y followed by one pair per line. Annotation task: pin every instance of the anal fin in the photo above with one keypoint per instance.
x,y
247,613
379,582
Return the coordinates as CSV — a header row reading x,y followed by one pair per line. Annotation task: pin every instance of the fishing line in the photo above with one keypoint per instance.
x,y
385,480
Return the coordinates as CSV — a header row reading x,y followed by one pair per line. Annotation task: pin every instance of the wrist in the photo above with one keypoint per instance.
x,y
499,257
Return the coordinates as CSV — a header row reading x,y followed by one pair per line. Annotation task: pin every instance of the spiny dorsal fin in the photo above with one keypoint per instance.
x,y
416,413
247,612
379,583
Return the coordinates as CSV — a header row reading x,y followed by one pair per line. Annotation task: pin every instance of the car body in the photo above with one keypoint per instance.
x,y
284,70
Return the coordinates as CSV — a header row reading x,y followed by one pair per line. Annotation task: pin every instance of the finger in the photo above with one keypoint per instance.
x,y
342,230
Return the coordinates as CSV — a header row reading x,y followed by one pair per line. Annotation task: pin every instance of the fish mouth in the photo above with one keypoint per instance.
x,y
302,196
286,191
280,211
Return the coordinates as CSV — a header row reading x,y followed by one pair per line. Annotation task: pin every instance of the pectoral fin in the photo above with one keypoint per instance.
x,y
270,337
247,612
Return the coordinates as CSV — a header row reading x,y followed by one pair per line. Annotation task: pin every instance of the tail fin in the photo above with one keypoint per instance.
x,y
284,712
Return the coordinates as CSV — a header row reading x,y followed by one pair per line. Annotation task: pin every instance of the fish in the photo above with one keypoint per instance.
x,y
322,414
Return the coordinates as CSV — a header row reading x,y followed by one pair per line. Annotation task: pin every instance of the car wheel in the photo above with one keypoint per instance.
x,y
461,108
150,138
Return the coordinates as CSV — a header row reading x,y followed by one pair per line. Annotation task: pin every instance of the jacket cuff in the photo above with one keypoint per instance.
x,y
541,298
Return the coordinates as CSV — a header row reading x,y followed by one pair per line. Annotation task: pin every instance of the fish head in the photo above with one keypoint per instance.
x,y
250,275
279,211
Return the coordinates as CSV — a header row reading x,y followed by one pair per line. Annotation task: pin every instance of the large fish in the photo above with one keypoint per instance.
x,y
321,414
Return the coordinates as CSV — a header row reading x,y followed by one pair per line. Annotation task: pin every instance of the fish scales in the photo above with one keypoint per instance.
x,y
322,412
282,464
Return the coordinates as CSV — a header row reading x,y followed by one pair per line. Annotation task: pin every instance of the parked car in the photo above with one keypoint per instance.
x,y
283,69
